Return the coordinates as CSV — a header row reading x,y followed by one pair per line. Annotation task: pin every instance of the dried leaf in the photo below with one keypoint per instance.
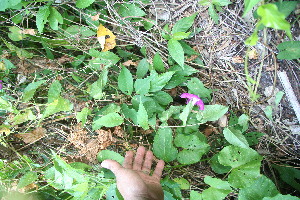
x,y
28,31
95,17
119,131
223,121
253,54
34,136
129,62
106,43
4,131
237,59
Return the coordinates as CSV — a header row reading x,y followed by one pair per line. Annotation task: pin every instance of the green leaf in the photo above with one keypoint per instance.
x,y
159,81
95,90
252,40
54,91
184,24
235,137
211,113
129,113
125,81
158,63
165,115
111,155
217,183
290,175
142,117
30,90
176,51
271,17
289,50
142,86
243,122
5,105
55,18
249,4
84,3
213,14
15,34
195,195
142,68
163,98
185,113
286,7
217,167
221,2
163,145
183,183
110,108
214,194
262,187
56,106
8,4
180,35
109,120
188,157
113,193
197,87
279,95
106,58
269,112
130,9
27,179
42,17
21,118
281,197
82,115
253,137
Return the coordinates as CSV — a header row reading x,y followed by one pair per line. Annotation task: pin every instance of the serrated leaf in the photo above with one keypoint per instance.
x,y
54,91
8,4
142,117
281,197
129,113
184,24
249,4
176,51
163,145
289,50
111,155
58,105
109,120
165,115
197,87
217,167
235,137
185,112
15,33
27,179
30,90
142,68
158,63
82,115
262,187
54,18
125,81
42,17
180,35
21,118
142,86
95,90
163,98
158,82
84,3
211,113
130,9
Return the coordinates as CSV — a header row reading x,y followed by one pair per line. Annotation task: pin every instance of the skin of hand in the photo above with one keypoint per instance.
x,y
133,178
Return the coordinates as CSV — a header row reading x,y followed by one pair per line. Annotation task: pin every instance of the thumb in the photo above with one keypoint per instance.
x,y
112,165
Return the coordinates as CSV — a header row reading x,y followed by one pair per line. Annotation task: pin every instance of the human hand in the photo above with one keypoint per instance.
x,y
133,178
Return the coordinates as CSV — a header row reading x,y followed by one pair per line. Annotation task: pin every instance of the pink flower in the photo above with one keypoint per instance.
x,y
194,98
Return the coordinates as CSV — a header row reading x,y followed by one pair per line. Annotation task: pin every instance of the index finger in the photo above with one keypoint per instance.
x,y
158,169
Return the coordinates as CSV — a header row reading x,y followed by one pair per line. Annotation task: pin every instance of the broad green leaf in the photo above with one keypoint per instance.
x,y
8,4
183,183
84,3
290,175
109,120
286,7
163,145
214,194
197,87
252,40
21,118
158,63
211,113
165,115
76,31
195,195
130,9
185,112
180,35
243,122
125,81
249,4
184,24
15,34
106,58
289,50
30,90
213,14
157,82
281,197
129,113
42,17
188,50
142,86
142,68
82,115
253,137
217,183
271,17
55,18
113,193
188,157
54,91
163,98
95,90
217,167
56,106
262,187
27,179
190,142
110,108
235,137
111,155
142,117
176,51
